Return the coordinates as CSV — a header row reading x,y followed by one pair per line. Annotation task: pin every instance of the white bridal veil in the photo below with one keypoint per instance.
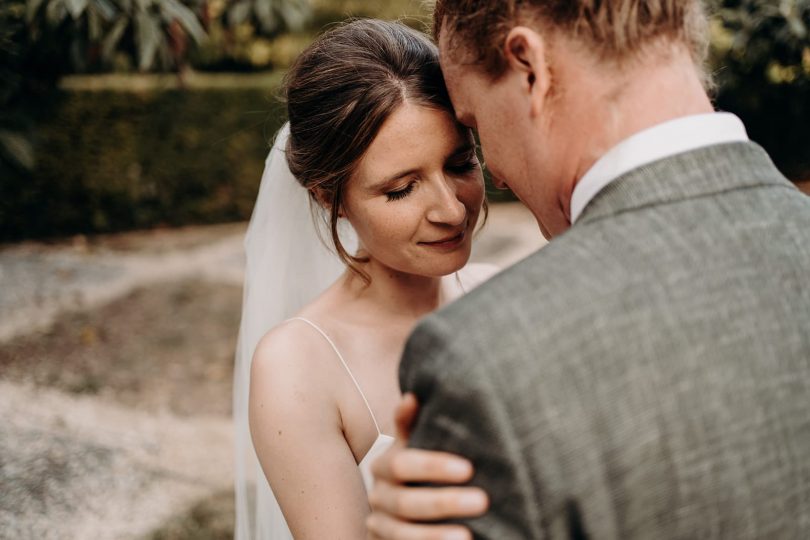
x,y
287,267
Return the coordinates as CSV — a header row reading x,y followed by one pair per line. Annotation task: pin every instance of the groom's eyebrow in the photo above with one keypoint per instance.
x,y
462,150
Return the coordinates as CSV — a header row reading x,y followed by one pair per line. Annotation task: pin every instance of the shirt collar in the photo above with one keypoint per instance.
x,y
658,142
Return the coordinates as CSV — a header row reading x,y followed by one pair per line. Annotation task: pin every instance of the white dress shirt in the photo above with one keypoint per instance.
x,y
658,142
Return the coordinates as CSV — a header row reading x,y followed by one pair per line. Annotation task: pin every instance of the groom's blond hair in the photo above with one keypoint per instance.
x,y
612,29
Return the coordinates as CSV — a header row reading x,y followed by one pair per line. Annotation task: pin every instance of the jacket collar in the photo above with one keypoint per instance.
x,y
697,173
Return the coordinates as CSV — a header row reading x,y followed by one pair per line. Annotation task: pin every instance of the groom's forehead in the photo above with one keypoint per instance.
x,y
457,57
443,43
451,48
452,69
457,86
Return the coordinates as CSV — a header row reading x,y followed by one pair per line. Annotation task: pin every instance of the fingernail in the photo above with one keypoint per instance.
x,y
458,468
472,502
456,535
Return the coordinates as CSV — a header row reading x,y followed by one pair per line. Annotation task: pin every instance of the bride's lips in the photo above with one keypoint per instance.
x,y
448,243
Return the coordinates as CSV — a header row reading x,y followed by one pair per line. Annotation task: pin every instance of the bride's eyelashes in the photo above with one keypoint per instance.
x,y
467,166
400,193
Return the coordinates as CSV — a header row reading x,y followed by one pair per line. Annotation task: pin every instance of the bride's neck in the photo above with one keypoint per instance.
x,y
397,293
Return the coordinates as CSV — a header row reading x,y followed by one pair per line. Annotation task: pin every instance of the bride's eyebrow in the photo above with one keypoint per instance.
x,y
382,184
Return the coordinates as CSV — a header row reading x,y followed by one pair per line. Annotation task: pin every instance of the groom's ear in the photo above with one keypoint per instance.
x,y
525,52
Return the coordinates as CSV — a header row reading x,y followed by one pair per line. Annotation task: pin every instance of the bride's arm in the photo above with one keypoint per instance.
x,y
296,430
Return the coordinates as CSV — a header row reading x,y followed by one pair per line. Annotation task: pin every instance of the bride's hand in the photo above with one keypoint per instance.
x,y
400,511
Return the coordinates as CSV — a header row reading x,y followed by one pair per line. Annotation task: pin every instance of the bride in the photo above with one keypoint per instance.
x,y
374,146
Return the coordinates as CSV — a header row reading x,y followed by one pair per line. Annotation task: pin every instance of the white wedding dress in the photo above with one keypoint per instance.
x,y
287,266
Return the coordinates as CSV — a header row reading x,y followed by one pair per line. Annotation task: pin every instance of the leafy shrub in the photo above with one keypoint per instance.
x,y
153,33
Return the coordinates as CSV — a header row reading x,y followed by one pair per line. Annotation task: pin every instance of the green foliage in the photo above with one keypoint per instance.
x,y
111,161
27,77
761,55
15,148
240,39
767,42
11,30
416,12
269,16
145,33
40,40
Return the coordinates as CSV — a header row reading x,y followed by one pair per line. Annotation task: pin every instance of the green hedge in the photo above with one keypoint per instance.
x,y
116,160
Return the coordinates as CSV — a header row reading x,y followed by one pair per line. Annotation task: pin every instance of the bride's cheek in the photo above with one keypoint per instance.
x,y
472,194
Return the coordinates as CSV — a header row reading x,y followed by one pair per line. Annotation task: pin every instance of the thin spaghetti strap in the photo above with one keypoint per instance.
x,y
345,365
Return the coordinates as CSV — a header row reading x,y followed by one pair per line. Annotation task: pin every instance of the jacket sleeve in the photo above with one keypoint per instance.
x,y
462,412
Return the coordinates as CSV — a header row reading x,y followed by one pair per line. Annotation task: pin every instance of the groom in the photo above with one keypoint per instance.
x,y
647,374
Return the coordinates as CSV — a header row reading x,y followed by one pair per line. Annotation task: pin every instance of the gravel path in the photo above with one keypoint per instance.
x,y
39,283
79,467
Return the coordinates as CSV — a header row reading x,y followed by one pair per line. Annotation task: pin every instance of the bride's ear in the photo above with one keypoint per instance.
x,y
320,198
324,201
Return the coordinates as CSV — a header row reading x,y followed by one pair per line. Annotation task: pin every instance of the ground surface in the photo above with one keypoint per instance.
x,y
115,379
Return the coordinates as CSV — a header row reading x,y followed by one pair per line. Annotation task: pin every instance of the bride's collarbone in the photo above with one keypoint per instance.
x,y
366,329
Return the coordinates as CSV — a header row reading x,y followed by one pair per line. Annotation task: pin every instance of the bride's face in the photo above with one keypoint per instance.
x,y
415,197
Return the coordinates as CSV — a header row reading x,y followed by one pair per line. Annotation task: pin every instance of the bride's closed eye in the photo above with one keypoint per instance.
x,y
460,167
400,193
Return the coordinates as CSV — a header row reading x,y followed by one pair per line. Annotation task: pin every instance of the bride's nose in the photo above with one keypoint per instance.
x,y
445,206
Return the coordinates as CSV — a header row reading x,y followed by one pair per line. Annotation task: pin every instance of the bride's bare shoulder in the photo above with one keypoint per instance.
x,y
289,354
297,344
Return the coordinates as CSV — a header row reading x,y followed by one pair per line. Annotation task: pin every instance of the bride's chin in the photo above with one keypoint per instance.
x,y
437,265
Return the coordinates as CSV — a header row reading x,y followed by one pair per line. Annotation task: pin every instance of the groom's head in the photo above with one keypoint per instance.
x,y
542,80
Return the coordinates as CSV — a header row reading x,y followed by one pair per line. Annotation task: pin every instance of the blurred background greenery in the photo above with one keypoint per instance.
x,y
131,114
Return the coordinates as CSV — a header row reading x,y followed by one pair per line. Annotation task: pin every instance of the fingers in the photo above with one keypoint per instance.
x,y
398,508
405,415
428,503
383,527
404,465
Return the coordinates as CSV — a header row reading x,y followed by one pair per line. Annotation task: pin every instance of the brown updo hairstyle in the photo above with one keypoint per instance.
x,y
340,91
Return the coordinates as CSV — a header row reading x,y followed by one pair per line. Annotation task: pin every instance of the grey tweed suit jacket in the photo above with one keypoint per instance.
x,y
647,374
